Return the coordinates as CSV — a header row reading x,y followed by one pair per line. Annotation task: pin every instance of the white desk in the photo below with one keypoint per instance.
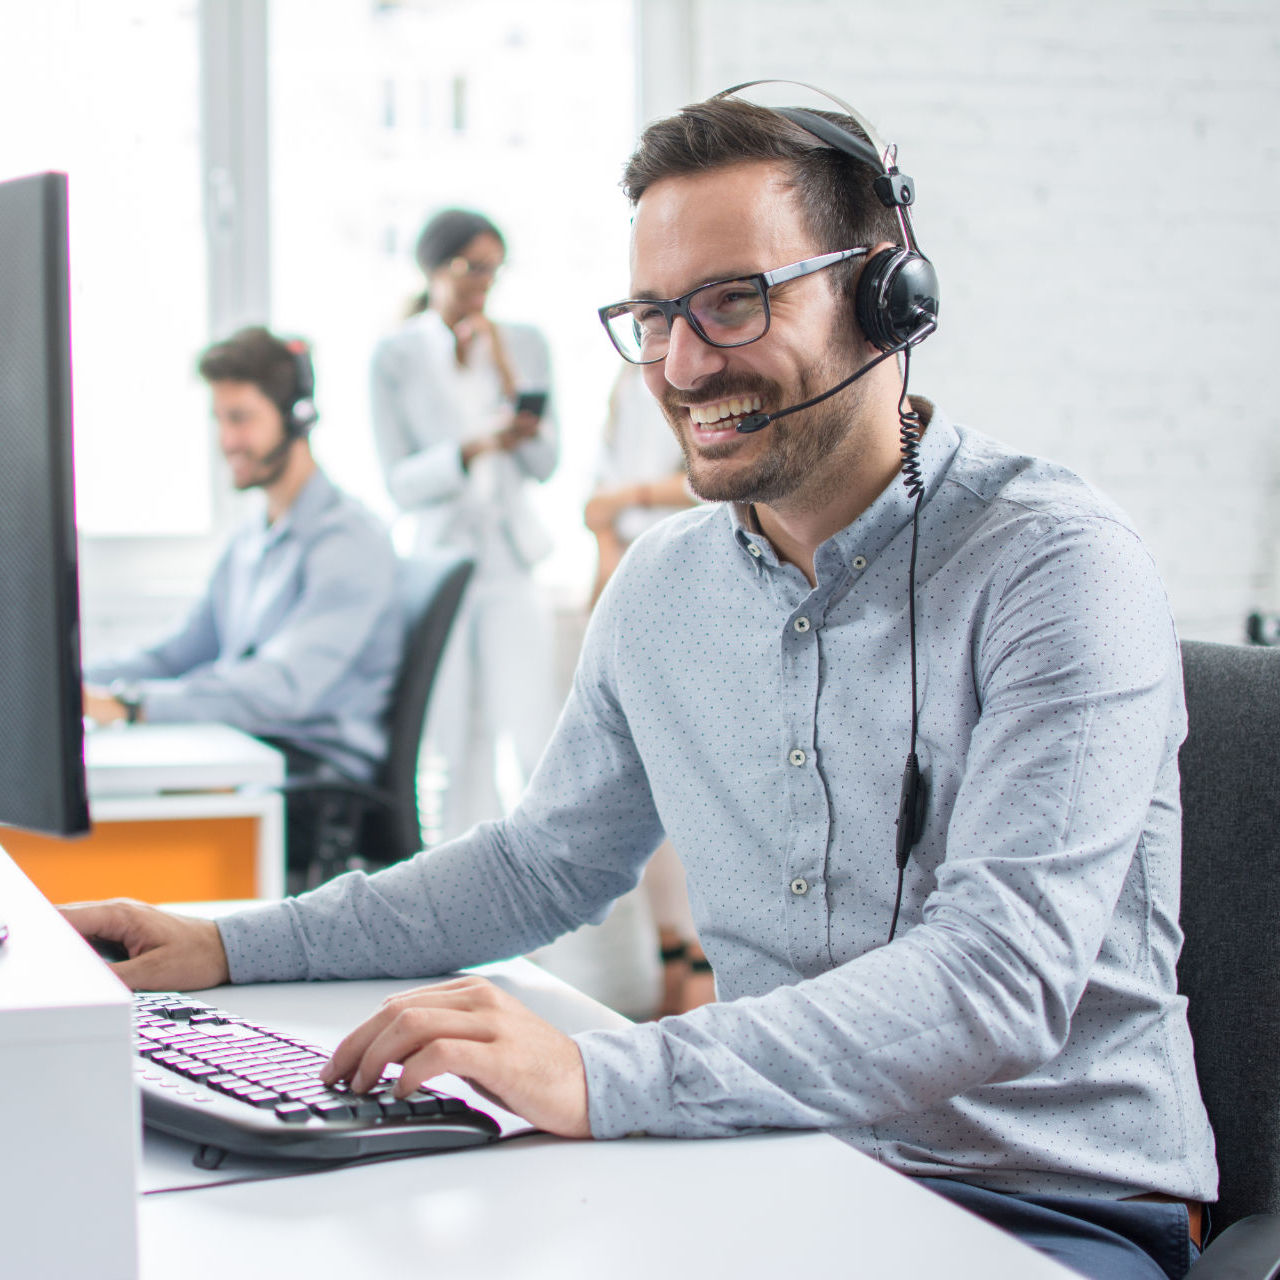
x,y
760,1206
179,811
155,759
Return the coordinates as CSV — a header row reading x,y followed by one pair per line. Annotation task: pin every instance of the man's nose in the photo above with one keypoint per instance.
x,y
689,358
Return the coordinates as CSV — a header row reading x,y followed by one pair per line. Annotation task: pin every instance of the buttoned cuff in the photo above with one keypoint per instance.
x,y
628,1083
169,702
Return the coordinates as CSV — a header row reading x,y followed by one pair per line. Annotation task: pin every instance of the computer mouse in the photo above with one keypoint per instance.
x,y
110,951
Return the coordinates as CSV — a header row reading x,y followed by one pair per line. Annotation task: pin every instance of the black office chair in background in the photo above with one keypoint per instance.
x,y
1230,966
367,825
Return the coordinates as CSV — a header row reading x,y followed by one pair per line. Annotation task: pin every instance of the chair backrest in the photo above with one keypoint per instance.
x,y
430,589
1230,966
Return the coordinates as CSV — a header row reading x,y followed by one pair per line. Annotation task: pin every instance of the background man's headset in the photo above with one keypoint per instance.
x,y
299,410
300,413
896,307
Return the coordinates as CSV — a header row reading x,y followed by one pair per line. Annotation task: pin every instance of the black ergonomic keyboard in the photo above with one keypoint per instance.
x,y
226,1083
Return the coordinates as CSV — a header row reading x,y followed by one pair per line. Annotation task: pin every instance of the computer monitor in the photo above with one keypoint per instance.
x,y
42,777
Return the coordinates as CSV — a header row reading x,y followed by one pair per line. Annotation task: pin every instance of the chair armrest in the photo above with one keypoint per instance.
x,y
1246,1250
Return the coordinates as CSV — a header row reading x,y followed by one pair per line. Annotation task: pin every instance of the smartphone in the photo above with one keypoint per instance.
x,y
534,402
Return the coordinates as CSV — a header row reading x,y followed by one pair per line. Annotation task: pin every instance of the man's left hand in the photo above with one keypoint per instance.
x,y
473,1029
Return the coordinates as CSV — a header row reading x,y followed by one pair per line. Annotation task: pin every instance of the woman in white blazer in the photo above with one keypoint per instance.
x,y
457,457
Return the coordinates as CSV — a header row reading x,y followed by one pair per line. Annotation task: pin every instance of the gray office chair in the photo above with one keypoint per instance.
x,y
1230,966
367,825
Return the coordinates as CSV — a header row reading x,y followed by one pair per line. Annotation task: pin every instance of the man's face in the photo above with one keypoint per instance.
x,y
250,434
719,225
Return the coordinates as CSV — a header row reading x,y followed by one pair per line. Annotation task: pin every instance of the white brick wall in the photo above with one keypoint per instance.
x,y
1100,189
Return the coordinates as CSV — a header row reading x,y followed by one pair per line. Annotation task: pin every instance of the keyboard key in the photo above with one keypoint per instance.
x,y
180,1012
225,1083
332,1110
261,1097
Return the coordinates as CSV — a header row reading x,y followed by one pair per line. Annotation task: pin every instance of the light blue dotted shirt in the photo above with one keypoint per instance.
x,y
1023,1031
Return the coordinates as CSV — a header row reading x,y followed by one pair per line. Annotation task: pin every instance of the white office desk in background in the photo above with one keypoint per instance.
x,y
180,811
802,1204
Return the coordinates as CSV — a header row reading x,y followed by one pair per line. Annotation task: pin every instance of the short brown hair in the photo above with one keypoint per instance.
x,y
835,189
254,355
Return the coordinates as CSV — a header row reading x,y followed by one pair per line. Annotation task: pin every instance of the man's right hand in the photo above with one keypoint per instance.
x,y
167,952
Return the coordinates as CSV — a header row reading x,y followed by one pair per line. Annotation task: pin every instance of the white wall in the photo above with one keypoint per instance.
x,y
1099,187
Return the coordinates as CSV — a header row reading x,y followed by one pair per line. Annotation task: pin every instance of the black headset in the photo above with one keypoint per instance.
x,y
300,410
896,300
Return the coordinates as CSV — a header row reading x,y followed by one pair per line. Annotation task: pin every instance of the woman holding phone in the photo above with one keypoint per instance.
x,y
463,428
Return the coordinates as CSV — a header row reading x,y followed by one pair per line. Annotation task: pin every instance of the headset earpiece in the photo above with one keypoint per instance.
x,y
896,301
301,415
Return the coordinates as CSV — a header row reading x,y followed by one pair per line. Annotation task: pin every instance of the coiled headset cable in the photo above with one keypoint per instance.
x,y
913,795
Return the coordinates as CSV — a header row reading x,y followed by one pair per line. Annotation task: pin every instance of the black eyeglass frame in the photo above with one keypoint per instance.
x,y
763,280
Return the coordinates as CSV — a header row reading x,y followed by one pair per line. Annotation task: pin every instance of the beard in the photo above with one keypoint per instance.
x,y
796,447
267,468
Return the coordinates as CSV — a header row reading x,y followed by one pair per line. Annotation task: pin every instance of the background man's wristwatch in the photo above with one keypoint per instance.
x,y
128,695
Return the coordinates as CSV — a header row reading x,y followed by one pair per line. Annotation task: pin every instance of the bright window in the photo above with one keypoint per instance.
x,y
108,93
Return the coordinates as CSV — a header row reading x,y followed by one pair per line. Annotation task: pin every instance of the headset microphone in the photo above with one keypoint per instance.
x,y
277,452
758,421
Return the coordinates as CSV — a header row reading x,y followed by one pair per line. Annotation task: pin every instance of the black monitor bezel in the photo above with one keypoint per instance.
x,y
33,222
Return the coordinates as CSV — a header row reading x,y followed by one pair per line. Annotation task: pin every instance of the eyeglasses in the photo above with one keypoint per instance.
x,y
461,266
725,313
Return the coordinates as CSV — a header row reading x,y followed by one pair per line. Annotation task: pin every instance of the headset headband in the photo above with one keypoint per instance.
x,y
880,154
894,189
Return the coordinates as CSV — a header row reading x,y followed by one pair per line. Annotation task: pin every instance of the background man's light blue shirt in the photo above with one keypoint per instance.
x,y
297,636
1023,1031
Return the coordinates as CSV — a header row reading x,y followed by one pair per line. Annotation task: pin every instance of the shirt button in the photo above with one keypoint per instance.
x,y
797,757
801,624
755,551
859,562
799,886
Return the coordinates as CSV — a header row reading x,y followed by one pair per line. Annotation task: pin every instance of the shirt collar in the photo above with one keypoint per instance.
x,y
317,495
872,531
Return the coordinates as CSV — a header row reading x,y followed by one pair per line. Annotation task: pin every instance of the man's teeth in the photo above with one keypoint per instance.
x,y
734,407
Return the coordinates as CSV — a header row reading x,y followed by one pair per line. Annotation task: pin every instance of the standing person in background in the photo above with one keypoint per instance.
x,y
641,476
461,421
640,480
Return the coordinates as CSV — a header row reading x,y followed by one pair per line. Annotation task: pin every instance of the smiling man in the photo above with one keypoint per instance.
x,y
745,689
297,637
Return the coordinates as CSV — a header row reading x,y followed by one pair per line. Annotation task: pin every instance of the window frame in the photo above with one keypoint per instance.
x,y
135,585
